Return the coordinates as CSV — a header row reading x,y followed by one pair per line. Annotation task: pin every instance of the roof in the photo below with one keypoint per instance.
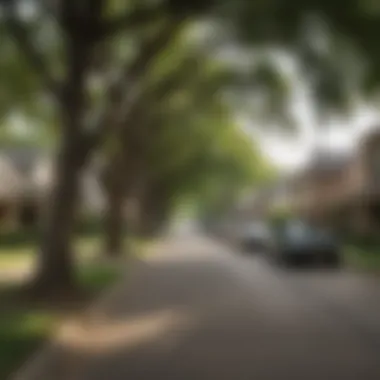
x,y
327,162
23,159
18,167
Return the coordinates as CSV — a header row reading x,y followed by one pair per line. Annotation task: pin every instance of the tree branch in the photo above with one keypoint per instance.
x,y
121,102
131,20
50,8
21,35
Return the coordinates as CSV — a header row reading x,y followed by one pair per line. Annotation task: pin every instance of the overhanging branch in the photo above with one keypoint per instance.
x,y
122,100
21,35
139,17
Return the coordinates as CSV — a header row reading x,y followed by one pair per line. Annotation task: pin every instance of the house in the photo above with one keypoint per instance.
x,y
25,182
342,190
362,192
21,186
319,188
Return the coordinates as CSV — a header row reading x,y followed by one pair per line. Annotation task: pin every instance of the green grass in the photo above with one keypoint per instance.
x,y
22,255
21,333
363,257
19,238
16,257
96,277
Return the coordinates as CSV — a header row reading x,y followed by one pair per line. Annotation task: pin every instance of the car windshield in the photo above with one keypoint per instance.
x,y
302,231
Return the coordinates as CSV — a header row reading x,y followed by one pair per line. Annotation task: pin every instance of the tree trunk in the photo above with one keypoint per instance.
x,y
155,211
55,265
122,184
54,271
114,223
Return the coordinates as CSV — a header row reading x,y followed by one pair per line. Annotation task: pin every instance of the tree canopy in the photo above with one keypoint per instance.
x,y
121,75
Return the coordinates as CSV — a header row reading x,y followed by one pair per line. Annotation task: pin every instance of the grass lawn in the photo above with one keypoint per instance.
x,y
363,258
14,258
21,332
24,325
22,255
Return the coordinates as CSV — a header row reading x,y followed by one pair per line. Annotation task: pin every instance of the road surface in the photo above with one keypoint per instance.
x,y
197,311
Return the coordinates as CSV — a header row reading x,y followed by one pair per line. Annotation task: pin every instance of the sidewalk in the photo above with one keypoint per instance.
x,y
146,310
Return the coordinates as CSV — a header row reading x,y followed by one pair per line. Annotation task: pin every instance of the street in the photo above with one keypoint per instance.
x,y
197,310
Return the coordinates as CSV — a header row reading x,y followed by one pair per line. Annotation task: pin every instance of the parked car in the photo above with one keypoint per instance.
x,y
300,243
254,237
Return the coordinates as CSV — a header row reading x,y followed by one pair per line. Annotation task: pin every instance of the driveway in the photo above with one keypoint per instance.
x,y
196,310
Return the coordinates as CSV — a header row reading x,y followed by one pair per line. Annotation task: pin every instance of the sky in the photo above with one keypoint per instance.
x,y
290,152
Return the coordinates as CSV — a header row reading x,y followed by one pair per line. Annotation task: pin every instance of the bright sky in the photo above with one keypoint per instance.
x,y
290,152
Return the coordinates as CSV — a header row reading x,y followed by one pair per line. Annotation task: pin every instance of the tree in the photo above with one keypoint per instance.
x,y
70,89
173,124
176,69
79,60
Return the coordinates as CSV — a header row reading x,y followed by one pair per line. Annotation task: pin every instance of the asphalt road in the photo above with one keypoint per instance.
x,y
198,310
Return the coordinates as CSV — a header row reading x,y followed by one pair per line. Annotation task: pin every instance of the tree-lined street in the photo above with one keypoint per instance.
x,y
198,310
141,112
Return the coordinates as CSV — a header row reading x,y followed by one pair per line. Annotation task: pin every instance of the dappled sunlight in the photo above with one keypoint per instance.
x,y
130,333
14,271
165,147
198,248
